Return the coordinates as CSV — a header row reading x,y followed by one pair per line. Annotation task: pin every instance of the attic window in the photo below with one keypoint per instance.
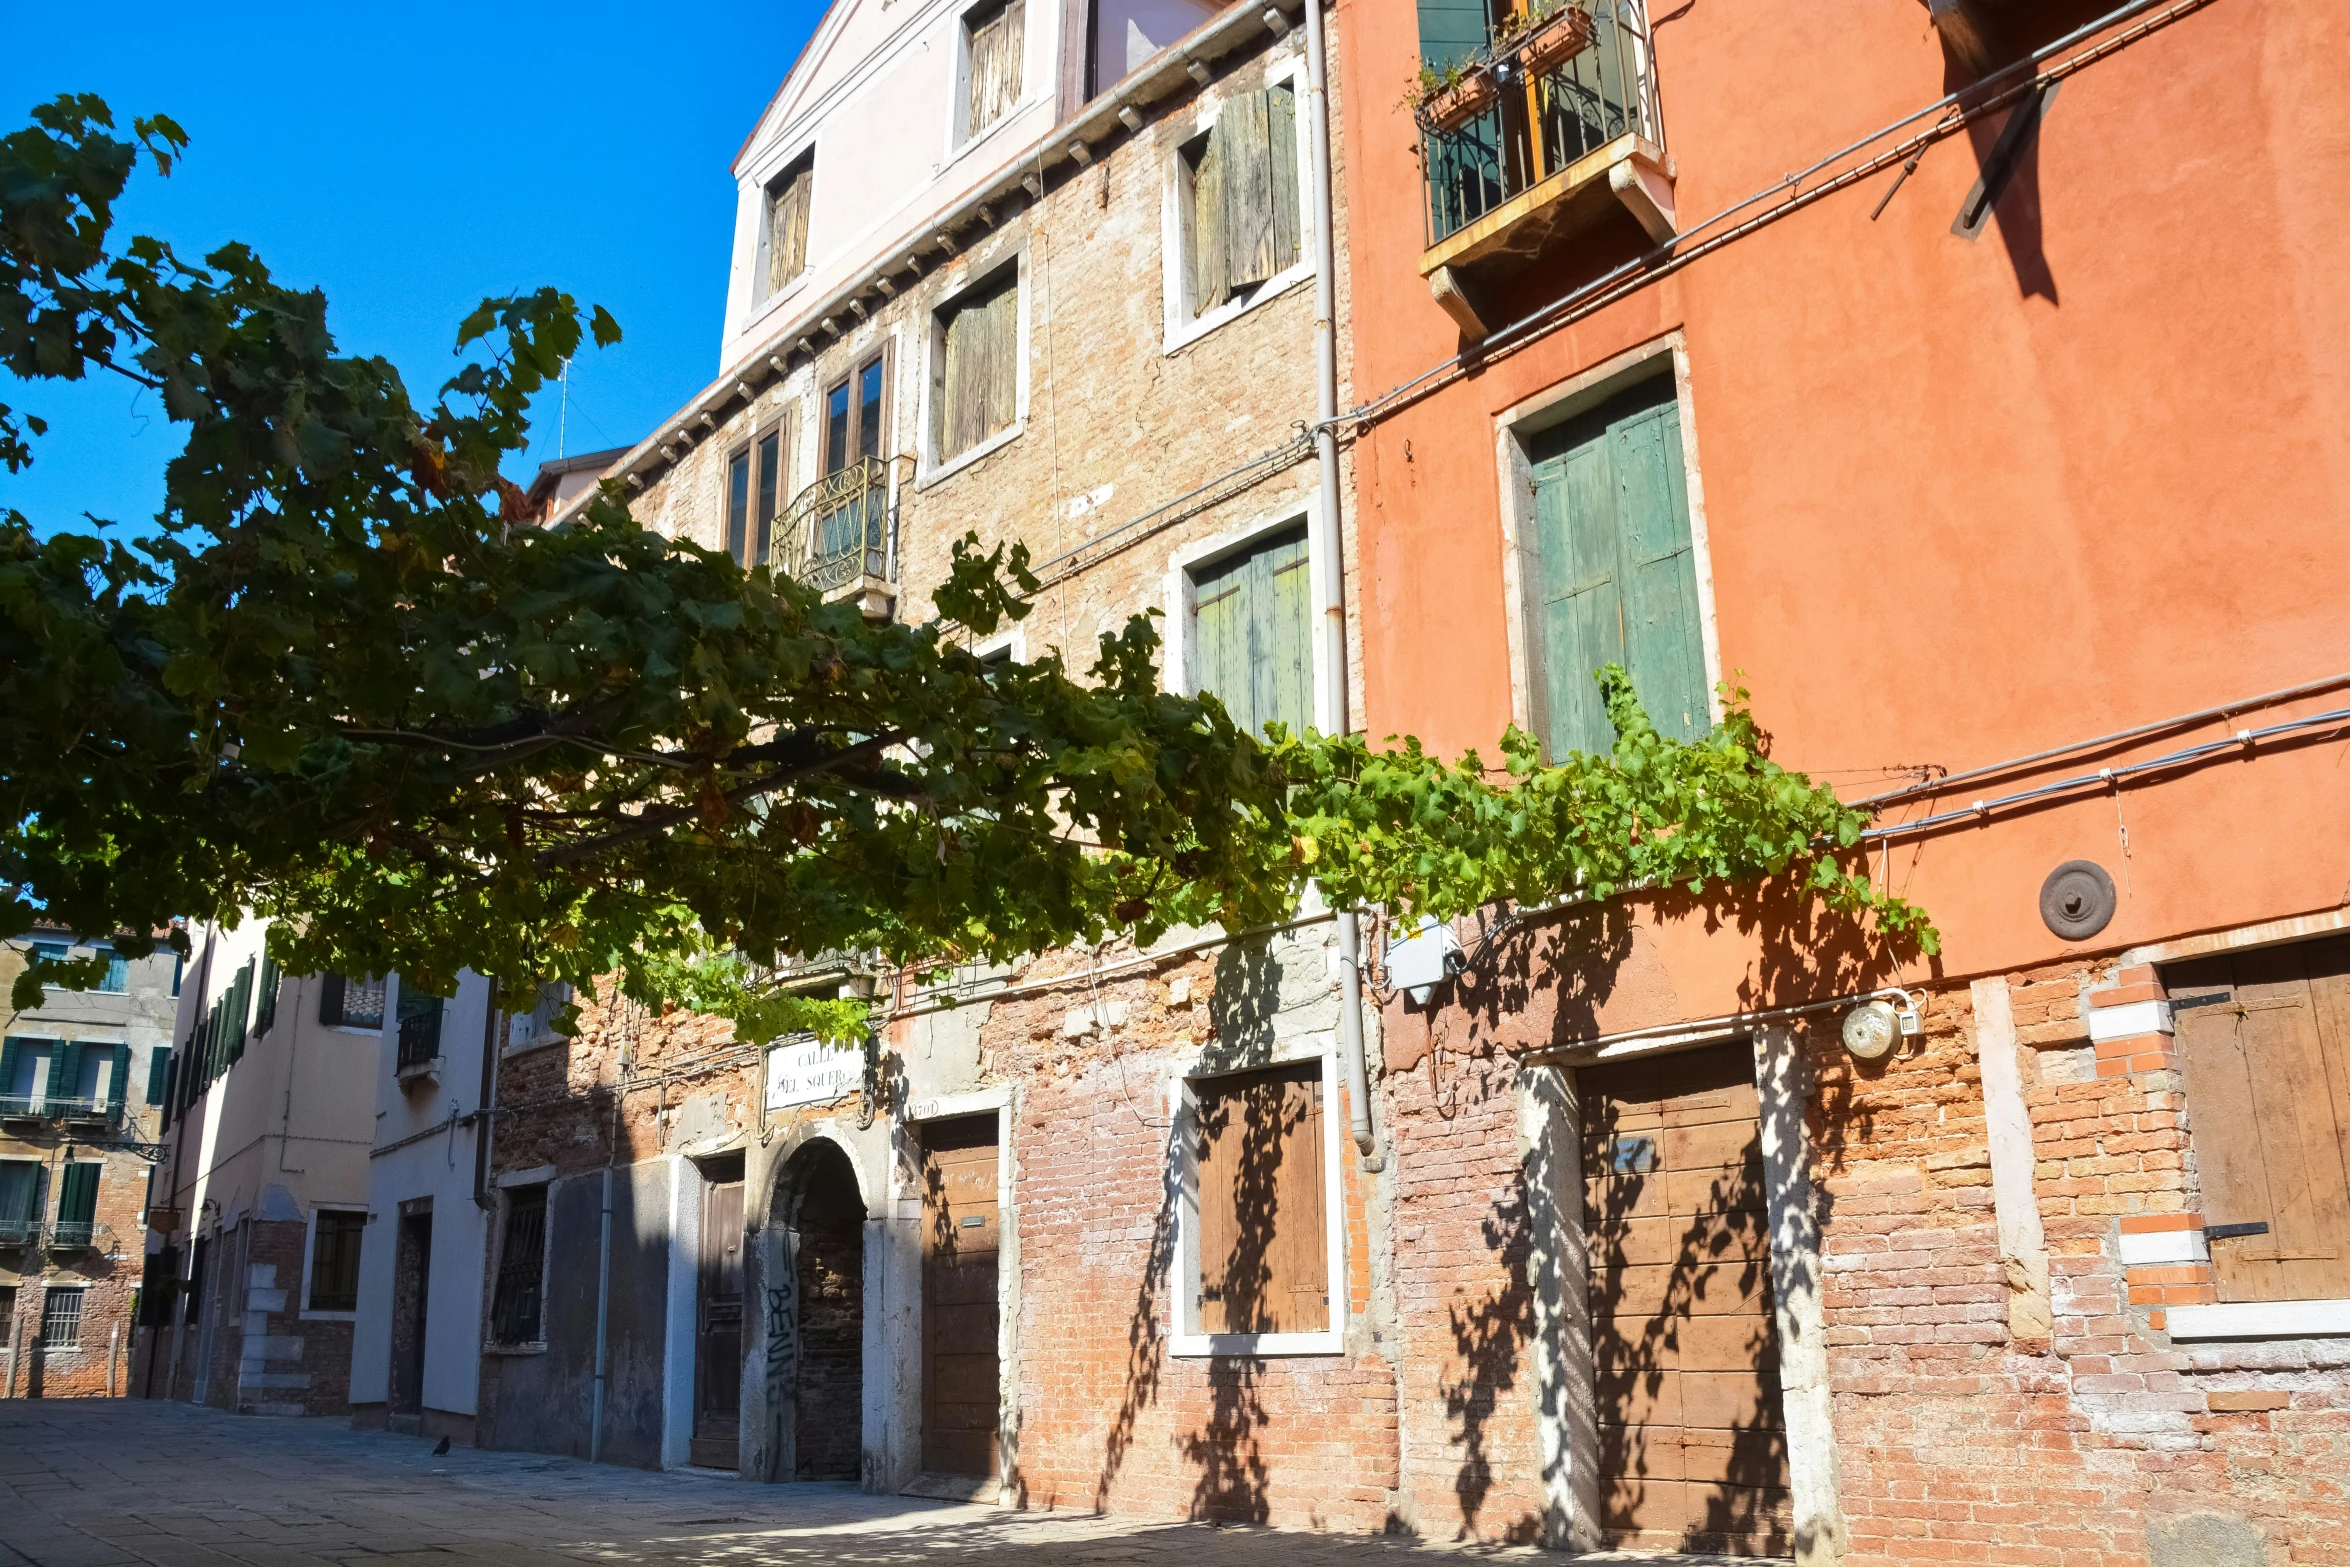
x,y
1239,193
994,37
783,235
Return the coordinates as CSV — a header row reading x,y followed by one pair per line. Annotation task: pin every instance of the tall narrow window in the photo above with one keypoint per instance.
x,y
20,1200
855,514
77,1203
1241,215
1263,1229
975,383
61,1319
770,494
159,1075
1251,633
265,1014
994,38
334,1260
515,1311
20,1075
783,236
1617,582
738,508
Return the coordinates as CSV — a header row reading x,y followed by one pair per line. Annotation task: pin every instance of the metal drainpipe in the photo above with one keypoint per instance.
x,y
484,1123
1330,698
603,1301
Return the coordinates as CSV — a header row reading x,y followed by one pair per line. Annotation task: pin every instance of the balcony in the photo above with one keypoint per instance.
x,y
15,1234
1545,134
80,1235
840,534
420,1039
93,1114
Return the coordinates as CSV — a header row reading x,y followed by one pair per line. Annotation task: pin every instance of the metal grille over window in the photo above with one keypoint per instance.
x,y
514,1314
998,35
1263,1237
334,1261
61,1319
420,1029
977,392
1242,220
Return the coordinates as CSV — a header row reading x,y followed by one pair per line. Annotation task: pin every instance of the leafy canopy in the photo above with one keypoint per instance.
x,y
345,685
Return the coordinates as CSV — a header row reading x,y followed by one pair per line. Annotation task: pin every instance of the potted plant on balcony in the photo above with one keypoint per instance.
x,y
1449,99
1546,36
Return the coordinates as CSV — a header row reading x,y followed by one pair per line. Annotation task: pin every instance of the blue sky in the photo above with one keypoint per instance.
x,y
410,159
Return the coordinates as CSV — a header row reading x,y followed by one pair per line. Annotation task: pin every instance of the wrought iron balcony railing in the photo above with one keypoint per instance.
x,y
420,1034
844,526
78,1235
43,1107
1528,106
19,1232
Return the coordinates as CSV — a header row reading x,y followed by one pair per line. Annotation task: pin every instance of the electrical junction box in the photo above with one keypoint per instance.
x,y
1425,959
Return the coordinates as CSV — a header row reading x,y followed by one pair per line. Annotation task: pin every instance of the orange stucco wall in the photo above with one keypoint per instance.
x,y
1961,500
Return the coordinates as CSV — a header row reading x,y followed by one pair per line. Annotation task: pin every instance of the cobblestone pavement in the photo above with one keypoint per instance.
x,y
116,1483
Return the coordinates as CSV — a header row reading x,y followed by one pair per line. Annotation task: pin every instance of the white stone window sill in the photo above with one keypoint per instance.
x,y
509,1052
1233,309
2261,1319
1255,1345
329,1316
514,1349
376,1032
961,460
990,131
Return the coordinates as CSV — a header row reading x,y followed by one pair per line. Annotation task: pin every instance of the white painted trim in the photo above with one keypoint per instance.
x,y
1514,426
947,1106
2155,1248
2269,933
1783,1079
1185,1340
2262,1319
1175,671
2129,1021
536,1175
1182,329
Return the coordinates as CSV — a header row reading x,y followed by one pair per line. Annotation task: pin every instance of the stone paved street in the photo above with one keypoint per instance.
x,y
110,1484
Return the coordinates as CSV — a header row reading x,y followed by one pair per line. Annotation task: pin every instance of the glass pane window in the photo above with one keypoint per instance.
x,y
334,1261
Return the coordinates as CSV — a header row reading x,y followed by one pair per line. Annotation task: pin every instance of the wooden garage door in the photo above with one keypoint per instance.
x,y
1693,1453
959,1240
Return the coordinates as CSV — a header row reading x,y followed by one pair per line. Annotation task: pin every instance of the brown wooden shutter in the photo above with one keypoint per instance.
x,y
2266,1040
978,381
787,227
1263,1254
1281,135
996,45
1205,269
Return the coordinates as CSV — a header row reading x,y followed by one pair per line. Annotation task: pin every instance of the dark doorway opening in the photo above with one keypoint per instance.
x,y
828,1391
411,1302
718,1319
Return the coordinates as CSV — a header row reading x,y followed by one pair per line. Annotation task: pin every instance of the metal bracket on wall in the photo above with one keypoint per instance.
x,y
2015,139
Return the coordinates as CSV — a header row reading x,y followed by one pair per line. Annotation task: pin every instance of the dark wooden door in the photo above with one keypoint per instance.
x,y
411,1302
1693,1451
2266,1037
959,1241
718,1336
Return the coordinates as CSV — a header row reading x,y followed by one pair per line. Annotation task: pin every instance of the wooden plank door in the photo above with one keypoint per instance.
x,y
1693,1452
959,1302
718,1328
2266,1041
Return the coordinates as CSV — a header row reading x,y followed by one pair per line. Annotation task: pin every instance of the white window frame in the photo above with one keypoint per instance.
x,y
961,139
1176,674
929,469
1182,330
764,196
1185,1340
1513,428
309,1262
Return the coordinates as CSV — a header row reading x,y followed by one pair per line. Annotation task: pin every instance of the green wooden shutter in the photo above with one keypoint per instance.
x,y
240,1003
65,1071
1617,576
77,1193
158,1075
1219,659
10,1049
118,1079
1451,31
1252,631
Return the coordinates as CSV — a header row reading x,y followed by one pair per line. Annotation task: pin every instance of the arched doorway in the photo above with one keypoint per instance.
x,y
822,1400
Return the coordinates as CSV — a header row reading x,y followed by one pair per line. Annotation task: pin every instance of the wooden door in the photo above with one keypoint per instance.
x,y
1618,575
2266,1041
1693,1453
959,1303
718,1336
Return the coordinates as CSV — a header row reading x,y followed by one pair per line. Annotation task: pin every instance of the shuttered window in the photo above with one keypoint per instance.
x,y
334,1260
265,1015
976,389
77,1193
20,1198
784,240
65,1075
767,495
20,1075
1251,633
2265,1036
1617,577
995,37
1452,30
515,1316
1241,215
1263,1237
159,1075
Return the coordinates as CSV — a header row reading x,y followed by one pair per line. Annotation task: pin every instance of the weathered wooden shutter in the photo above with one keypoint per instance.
x,y
1451,31
1244,127
1617,579
1204,234
77,1193
787,226
330,1000
1263,1253
1252,633
979,378
158,1076
2266,1041
997,41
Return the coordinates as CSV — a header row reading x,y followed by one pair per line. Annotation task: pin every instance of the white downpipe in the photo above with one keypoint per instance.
x,y
1330,698
603,1302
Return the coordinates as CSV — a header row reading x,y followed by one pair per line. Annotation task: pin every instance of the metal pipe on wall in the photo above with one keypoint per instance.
x,y
1330,696
603,1304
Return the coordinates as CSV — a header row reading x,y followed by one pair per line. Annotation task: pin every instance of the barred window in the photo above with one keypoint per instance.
x,y
515,1316
61,1319
334,1260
